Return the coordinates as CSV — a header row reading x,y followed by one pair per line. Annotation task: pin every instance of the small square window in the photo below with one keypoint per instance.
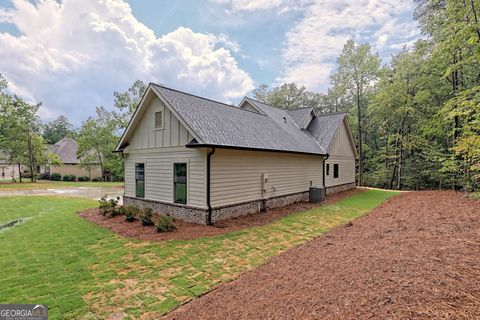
x,y
159,120
335,170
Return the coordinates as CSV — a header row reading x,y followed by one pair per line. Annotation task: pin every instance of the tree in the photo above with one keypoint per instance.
x,y
126,102
96,140
288,96
56,130
21,138
357,71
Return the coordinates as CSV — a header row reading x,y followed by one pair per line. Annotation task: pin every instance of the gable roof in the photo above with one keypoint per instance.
x,y
219,124
215,124
66,150
299,115
324,127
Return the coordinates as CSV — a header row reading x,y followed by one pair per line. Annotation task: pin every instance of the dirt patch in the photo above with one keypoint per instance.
x,y
414,257
188,231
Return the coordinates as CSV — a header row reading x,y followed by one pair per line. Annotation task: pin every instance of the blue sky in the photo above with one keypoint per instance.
x,y
72,54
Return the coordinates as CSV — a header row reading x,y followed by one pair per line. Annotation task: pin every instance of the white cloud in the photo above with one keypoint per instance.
x,y
258,5
251,5
312,46
73,55
5,15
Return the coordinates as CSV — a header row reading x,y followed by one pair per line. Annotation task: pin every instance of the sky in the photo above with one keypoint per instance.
x,y
71,55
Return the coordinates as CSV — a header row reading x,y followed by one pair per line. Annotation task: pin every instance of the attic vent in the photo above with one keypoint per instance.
x,y
158,120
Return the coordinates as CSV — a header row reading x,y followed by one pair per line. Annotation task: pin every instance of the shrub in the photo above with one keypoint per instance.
x,y
45,176
146,217
108,207
475,195
83,178
131,212
69,177
165,224
55,177
97,179
117,178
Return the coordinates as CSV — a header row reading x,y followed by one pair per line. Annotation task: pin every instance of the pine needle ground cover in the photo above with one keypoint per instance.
x,y
80,270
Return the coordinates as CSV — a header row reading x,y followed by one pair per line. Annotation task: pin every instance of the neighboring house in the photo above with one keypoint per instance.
x,y
66,150
203,161
8,171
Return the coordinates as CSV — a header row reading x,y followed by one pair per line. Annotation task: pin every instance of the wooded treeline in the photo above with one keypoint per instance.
x,y
416,120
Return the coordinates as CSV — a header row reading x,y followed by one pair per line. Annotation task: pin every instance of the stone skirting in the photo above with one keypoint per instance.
x,y
340,188
256,206
200,215
178,211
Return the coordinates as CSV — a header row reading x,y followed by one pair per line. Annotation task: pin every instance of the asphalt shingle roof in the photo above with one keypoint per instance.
x,y
66,149
324,127
299,115
219,124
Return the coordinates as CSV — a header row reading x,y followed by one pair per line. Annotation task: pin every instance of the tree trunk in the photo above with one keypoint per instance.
x,y
360,140
475,17
19,172
399,175
31,161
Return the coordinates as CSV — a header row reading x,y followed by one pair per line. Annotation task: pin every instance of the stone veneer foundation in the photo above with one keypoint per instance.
x,y
340,188
200,215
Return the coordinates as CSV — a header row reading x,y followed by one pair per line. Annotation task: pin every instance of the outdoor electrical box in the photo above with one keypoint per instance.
x,y
316,194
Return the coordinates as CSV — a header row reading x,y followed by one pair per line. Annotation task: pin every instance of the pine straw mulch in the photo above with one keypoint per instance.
x,y
417,256
188,231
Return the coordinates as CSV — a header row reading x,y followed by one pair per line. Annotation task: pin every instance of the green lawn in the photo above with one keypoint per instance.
x,y
55,185
82,270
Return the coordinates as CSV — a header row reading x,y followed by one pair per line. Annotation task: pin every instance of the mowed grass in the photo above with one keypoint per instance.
x,y
55,185
84,271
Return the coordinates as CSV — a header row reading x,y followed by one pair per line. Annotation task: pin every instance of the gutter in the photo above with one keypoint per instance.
x,y
208,145
324,160
209,218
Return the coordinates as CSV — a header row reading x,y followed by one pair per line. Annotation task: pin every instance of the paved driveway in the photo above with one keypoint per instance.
x,y
87,192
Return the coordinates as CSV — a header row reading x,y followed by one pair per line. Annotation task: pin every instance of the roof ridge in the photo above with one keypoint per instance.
x,y
208,99
300,108
331,114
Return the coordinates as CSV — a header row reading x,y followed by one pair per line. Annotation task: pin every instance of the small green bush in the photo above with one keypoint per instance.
x,y
69,177
83,178
165,224
44,176
55,177
146,217
97,179
131,212
108,207
475,195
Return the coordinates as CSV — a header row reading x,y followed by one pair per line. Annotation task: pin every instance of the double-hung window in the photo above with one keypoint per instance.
x,y
335,170
140,180
180,183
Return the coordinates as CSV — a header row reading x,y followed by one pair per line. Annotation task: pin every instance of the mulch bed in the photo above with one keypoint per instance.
x,y
417,256
187,231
